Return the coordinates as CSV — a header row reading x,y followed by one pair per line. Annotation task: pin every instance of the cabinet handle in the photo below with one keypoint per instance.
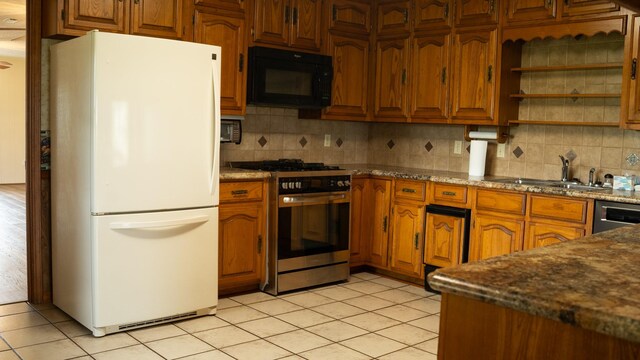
x,y
634,67
136,2
444,75
239,192
295,16
407,190
241,63
492,4
286,14
566,2
259,244
384,224
406,15
446,10
415,241
404,76
449,193
489,73
549,3
334,11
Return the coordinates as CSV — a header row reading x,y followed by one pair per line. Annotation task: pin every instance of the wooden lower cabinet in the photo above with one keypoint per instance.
x,y
407,238
541,234
494,236
443,240
360,220
381,201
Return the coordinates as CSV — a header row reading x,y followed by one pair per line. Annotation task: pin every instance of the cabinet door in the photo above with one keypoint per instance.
x,y
222,4
530,10
104,15
305,24
493,236
272,20
474,72
443,240
350,76
241,243
360,219
407,238
476,12
586,7
391,79
432,14
350,16
381,190
160,18
540,234
632,75
228,33
430,77
393,18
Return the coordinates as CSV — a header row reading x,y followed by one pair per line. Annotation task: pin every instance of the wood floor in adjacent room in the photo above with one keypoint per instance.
x,y
13,244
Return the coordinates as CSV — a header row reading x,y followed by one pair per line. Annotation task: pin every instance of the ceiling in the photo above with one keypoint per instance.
x,y
13,22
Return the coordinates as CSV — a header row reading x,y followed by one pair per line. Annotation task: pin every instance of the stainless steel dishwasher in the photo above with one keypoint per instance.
x,y
611,215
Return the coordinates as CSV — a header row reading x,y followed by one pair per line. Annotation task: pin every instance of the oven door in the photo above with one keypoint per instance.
x,y
311,224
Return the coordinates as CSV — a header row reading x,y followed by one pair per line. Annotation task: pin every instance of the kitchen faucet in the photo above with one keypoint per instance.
x,y
591,179
565,169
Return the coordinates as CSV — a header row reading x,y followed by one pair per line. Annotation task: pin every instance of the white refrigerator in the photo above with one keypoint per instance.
x,y
135,131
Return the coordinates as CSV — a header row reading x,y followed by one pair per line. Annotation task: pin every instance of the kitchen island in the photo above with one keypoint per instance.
x,y
573,300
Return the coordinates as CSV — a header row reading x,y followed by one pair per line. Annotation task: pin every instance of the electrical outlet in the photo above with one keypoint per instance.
x,y
457,147
327,140
501,150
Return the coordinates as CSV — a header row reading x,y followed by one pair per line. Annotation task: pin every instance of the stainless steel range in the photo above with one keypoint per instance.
x,y
309,216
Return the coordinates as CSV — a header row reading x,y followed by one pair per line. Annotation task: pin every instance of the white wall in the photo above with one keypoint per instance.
x,y
12,122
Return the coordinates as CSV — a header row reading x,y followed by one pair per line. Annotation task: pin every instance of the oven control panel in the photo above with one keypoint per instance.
x,y
313,184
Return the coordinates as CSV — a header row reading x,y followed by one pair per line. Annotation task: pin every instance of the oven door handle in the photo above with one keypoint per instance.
x,y
301,199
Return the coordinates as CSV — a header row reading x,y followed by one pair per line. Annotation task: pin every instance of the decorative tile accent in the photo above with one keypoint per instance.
x,y
575,91
518,152
339,142
303,141
428,146
571,155
632,159
391,144
262,141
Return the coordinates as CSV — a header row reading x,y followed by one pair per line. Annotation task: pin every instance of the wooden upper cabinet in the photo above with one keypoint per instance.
x,y
474,75
587,7
85,15
160,18
494,236
294,23
432,14
476,12
631,76
530,10
390,99
228,33
393,18
378,248
222,4
443,240
406,241
349,16
430,78
350,85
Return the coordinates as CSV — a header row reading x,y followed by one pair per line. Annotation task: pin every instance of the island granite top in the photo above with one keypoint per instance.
x,y
592,283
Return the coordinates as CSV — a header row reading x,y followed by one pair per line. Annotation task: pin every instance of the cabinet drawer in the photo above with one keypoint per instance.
x,y
562,209
410,190
501,201
445,194
240,191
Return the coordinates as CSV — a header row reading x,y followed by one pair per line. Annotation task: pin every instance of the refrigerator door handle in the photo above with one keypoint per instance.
x,y
128,225
215,112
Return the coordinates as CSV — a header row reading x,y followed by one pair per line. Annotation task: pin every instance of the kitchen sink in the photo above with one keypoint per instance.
x,y
570,185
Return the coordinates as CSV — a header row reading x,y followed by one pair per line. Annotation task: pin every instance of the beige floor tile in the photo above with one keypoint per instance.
x,y
429,346
436,297
61,349
15,308
93,345
54,315
236,315
275,307
338,310
156,333
369,303
401,313
336,330
397,296
365,276
338,293
304,318
418,290
267,327
293,357
32,335
371,321
201,324
3,345
72,328
252,298
298,341
373,345
431,323
209,355
367,287
226,303
44,306
8,355
309,299
256,350
21,320
407,334
334,351
179,346
352,279
137,352
389,282
426,305
225,336
409,354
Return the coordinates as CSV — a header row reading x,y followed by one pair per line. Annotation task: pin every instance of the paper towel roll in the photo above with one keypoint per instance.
x,y
484,135
477,157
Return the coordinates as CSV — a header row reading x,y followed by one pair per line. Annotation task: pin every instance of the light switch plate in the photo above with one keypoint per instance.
x,y
501,150
327,140
457,147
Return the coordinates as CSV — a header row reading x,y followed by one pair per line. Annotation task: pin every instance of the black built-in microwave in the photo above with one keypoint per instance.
x,y
289,78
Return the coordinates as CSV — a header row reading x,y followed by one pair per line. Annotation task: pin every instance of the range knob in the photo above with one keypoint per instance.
x,y
340,183
298,184
292,185
284,185
347,183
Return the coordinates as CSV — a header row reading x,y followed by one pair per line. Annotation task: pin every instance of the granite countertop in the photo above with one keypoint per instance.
x,y
592,283
227,173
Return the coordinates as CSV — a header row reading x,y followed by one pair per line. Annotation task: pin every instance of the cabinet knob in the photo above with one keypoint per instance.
x,y
295,16
416,240
444,75
384,224
449,193
634,68
239,192
446,11
334,11
286,14
259,244
136,2
408,190
489,73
